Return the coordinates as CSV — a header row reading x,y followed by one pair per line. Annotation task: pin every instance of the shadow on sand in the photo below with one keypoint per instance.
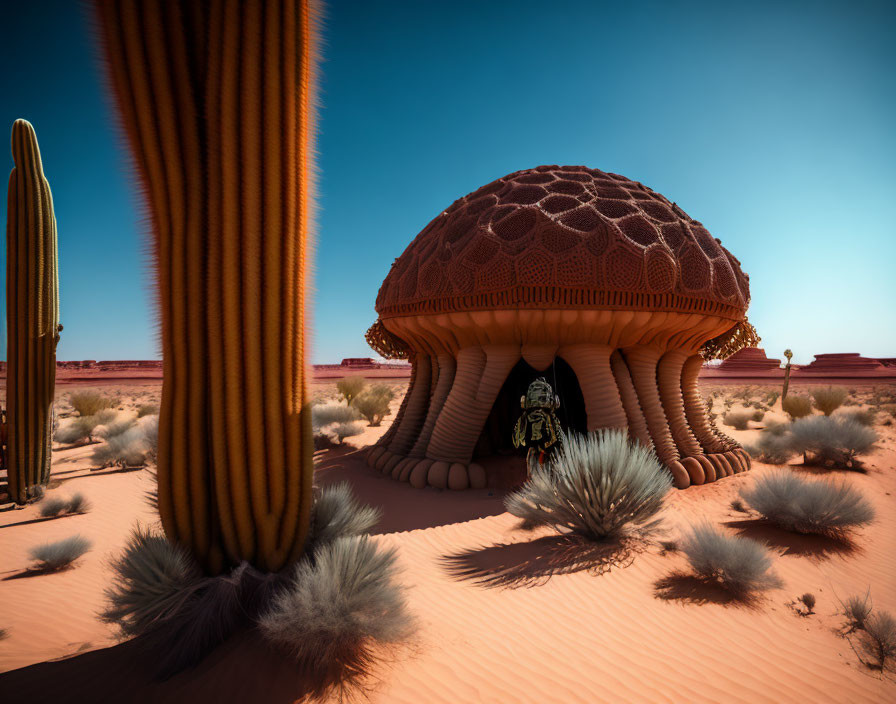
x,y
530,564
404,507
681,586
809,545
243,669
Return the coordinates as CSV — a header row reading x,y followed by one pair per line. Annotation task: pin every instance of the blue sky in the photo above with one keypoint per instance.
x,y
772,123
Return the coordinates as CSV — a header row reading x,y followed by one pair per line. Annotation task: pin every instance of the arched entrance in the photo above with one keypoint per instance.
x,y
496,437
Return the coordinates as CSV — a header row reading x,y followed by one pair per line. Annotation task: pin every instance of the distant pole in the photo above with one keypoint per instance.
x,y
788,354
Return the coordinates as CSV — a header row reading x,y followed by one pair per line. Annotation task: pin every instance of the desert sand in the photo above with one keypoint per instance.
x,y
504,615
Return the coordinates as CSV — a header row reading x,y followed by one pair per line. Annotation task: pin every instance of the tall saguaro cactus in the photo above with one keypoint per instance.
x,y
32,314
216,99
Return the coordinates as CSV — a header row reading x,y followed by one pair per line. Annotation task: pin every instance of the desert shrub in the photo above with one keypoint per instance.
x,y
831,441
737,419
337,607
808,600
126,449
857,609
865,417
373,403
147,410
773,446
827,400
806,505
57,506
56,556
669,546
4,634
116,427
350,387
53,506
879,637
738,505
598,485
76,430
89,403
708,402
332,412
772,397
151,436
796,406
341,431
758,415
739,564
337,514
149,578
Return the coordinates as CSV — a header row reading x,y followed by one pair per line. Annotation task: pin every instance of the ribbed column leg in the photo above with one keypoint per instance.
x,y
591,364
379,454
481,371
669,381
695,411
637,424
642,362
414,413
447,370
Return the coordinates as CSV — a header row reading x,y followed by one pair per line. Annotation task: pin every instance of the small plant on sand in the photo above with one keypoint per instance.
x,y
856,609
89,403
831,442
772,397
758,415
4,634
669,546
796,406
76,430
56,506
124,449
866,417
337,606
373,403
738,505
808,600
337,514
333,412
737,419
341,431
598,485
879,637
808,505
827,400
740,565
774,445
53,557
350,387
147,410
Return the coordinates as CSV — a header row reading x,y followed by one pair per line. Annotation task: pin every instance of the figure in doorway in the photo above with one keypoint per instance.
x,y
538,428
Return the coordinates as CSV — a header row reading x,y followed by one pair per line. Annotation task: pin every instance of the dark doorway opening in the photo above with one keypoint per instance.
x,y
496,437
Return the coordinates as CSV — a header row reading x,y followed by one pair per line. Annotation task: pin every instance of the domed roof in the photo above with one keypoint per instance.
x,y
564,237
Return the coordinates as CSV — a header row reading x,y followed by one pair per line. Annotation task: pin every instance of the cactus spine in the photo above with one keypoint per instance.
x,y
216,99
32,315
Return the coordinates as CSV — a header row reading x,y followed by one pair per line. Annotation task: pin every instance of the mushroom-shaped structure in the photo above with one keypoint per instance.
x,y
585,277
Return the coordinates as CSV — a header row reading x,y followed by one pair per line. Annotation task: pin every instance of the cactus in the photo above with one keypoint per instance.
x,y
216,100
788,354
32,314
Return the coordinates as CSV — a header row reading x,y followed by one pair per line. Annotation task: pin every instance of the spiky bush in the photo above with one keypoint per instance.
x,y
879,637
373,403
806,505
829,441
126,449
808,600
116,427
737,419
332,412
740,565
151,436
350,387
337,514
827,400
147,410
89,403
52,557
796,406
857,609
150,576
758,415
341,431
77,430
598,485
772,397
53,507
866,417
337,607
773,446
